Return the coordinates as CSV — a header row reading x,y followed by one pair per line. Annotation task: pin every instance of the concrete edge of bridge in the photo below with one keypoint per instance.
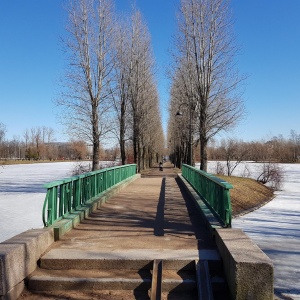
x,y
248,270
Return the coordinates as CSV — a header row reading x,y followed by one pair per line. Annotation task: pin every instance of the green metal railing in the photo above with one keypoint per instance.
x,y
67,195
213,190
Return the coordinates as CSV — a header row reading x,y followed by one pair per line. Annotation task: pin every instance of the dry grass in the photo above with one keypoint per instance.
x,y
247,194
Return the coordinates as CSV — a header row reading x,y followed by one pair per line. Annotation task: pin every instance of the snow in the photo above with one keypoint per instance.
x,y
275,227
22,194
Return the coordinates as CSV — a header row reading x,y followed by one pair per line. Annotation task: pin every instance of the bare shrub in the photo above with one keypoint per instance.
x,y
80,168
220,169
1,166
271,174
108,164
246,172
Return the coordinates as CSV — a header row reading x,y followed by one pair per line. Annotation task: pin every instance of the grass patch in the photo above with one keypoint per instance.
x,y
247,194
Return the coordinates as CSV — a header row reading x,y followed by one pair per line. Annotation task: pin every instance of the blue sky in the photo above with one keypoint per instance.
x,y
268,32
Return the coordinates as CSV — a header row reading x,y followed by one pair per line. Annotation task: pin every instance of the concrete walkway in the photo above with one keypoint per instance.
x,y
149,219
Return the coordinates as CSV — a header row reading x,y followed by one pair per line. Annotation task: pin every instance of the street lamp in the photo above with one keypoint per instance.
x,y
179,113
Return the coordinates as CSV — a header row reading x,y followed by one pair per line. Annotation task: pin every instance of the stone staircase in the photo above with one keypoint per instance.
x,y
95,278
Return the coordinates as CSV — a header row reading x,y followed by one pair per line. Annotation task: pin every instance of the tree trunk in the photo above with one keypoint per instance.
x,y
96,155
96,142
122,134
203,154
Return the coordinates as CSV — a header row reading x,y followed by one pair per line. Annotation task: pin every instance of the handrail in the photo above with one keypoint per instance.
x,y
66,195
213,190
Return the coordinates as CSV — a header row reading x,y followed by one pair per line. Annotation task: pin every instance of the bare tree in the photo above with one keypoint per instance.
x,y
36,140
2,137
2,132
205,63
86,95
235,152
123,66
136,99
142,68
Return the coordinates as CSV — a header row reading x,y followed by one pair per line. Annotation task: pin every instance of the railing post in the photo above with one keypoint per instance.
x,y
51,205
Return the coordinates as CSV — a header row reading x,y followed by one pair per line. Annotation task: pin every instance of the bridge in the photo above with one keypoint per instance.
x,y
115,234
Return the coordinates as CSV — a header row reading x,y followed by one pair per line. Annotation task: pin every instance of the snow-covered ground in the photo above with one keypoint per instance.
x,y
22,194
274,227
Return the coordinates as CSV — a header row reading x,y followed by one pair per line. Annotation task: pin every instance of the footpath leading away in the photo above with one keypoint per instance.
x,y
151,219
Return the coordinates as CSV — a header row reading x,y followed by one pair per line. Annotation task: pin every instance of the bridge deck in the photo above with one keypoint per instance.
x,y
149,218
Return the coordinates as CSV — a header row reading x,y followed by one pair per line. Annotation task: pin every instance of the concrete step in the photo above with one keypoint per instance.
x,y
63,280
137,259
90,295
69,270
55,280
179,281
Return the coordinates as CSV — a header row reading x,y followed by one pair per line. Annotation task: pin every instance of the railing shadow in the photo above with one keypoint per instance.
x,y
141,291
160,213
201,232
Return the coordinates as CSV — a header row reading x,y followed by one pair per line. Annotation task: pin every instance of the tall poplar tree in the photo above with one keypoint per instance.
x,y
205,71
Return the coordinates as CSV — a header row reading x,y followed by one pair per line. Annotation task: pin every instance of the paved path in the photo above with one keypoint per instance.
x,y
148,218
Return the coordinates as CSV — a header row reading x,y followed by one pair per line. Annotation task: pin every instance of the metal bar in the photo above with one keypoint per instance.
x,y
156,286
203,280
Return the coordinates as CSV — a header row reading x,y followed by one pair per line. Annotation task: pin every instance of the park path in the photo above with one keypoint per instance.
x,y
149,217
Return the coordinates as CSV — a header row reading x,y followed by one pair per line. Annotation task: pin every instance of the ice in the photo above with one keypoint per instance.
x,y
22,194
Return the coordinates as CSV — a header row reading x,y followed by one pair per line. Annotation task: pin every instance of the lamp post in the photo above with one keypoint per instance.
x,y
179,113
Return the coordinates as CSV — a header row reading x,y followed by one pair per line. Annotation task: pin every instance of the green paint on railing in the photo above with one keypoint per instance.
x,y
66,195
214,191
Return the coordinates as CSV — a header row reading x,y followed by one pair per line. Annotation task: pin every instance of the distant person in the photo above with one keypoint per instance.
x,y
161,166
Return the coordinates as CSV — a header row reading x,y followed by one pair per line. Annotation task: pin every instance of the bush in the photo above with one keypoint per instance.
x,y
246,173
80,168
220,169
271,174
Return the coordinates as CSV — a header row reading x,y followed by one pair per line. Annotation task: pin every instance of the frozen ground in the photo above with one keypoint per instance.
x,y
22,194
274,227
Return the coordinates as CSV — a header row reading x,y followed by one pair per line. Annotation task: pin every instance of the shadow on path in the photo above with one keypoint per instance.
x,y
160,213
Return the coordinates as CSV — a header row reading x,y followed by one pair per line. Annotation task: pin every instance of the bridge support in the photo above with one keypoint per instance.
x,y
248,270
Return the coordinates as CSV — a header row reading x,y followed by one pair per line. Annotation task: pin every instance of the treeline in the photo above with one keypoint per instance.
x,y
277,149
39,143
